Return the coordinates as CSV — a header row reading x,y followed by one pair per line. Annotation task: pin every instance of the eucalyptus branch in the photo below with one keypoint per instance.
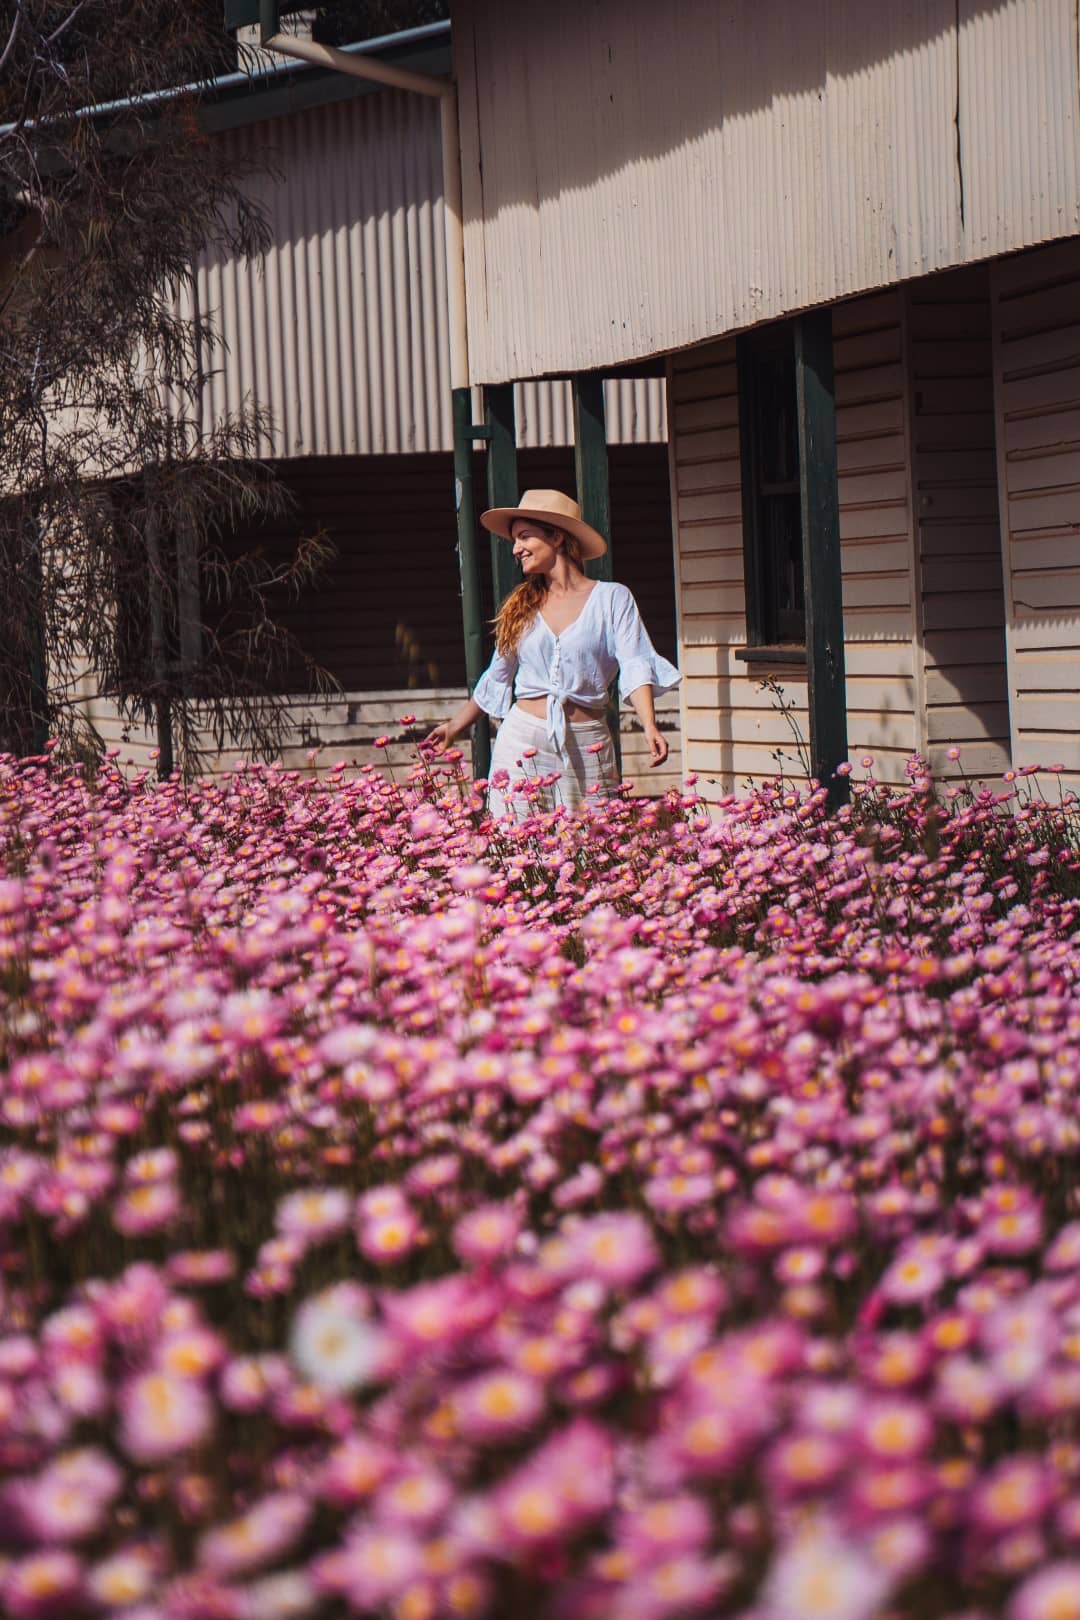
x,y
12,36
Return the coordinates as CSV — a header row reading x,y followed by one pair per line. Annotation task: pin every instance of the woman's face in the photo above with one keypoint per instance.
x,y
536,546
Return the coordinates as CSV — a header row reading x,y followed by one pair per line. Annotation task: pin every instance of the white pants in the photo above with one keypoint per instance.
x,y
579,768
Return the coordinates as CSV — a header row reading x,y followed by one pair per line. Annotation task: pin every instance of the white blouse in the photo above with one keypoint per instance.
x,y
577,666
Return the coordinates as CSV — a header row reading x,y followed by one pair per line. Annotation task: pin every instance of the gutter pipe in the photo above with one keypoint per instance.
x,y
427,33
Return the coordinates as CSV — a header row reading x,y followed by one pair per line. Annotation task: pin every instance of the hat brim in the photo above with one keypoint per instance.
x,y
498,520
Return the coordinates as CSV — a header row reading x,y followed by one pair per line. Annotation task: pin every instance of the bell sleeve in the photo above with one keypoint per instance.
x,y
639,662
494,691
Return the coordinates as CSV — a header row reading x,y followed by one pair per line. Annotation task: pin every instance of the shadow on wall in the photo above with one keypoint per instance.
x,y
728,60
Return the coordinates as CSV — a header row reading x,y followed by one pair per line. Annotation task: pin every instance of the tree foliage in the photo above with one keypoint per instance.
x,y
114,501
339,21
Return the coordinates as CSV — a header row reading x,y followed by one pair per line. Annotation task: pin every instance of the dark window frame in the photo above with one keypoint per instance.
x,y
774,630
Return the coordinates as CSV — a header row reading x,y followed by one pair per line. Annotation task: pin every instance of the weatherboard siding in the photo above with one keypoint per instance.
x,y
958,529
734,731
1036,329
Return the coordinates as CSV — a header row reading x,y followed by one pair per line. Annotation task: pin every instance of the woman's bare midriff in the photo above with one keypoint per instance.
x,y
574,711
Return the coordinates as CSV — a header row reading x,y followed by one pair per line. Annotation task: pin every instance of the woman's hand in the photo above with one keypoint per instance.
x,y
642,700
658,747
440,737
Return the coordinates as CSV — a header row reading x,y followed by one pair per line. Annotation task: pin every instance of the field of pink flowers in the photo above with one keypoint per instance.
x,y
633,1217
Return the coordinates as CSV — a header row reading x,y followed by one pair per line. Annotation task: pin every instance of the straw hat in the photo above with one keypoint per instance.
x,y
546,506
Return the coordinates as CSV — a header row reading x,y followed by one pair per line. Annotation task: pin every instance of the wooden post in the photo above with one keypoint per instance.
x,y
158,646
269,19
38,663
822,578
591,465
188,611
469,569
502,482
594,497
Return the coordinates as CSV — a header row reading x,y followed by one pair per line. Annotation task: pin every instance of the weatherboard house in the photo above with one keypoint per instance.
x,y
848,235
790,290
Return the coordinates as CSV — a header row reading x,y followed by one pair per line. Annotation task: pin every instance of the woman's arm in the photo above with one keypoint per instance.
x,y
443,735
641,698
642,671
493,694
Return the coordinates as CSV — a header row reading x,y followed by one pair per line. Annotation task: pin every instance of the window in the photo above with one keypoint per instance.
x,y
771,496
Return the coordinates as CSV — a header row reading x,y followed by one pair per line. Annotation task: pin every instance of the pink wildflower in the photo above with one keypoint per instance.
x,y
354,1470
153,1206
1063,1253
496,1405
375,1564
42,1586
683,1584
967,1390
125,1577
131,1307
437,1313
195,1267
1016,1492
896,1430
618,1250
418,1496
266,1532
912,1279
163,1415
695,1291
487,1233
248,1383
801,1464
822,1575
564,1485
69,1500
73,1334
672,1524
385,1239
193,1352
1051,1594
314,1215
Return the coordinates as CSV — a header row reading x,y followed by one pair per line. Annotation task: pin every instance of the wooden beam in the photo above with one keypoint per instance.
x,y
591,464
269,20
188,610
158,643
502,482
469,569
594,496
822,578
748,456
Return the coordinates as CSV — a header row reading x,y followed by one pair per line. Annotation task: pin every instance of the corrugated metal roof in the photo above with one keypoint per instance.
x,y
637,181
341,331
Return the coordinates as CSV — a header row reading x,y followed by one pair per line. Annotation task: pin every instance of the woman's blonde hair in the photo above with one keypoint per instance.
x,y
525,600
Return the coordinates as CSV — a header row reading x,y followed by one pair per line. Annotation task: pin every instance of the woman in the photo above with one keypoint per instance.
x,y
560,637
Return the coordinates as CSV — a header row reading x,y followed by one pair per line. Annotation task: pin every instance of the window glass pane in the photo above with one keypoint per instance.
x,y
779,444
781,535
772,502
